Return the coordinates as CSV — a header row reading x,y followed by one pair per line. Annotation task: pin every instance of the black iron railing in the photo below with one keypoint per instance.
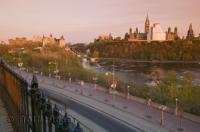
x,y
29,109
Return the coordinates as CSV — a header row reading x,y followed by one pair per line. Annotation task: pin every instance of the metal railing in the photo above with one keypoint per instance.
x,y
29,109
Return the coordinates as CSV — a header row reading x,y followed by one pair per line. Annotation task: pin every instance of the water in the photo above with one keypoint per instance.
x,y
141,73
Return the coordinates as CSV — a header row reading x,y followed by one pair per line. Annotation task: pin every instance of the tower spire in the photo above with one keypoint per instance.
x,y
147,24
190,34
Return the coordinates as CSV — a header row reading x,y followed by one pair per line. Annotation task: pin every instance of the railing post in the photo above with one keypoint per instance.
x,y
34,89
26,108
65,123
56,118
43,107
38,111
49,115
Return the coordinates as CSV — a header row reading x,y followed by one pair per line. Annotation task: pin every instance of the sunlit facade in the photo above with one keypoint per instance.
x,y
156,33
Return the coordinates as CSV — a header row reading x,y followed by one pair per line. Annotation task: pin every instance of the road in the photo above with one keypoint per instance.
x,y
108,123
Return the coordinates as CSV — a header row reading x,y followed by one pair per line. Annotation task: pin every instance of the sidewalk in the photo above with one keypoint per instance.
x,y
134,108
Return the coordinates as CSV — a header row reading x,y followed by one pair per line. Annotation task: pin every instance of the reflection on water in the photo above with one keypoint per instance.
x,y
140,73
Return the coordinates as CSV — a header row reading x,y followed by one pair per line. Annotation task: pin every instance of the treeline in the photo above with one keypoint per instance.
x,y
45,59
175,50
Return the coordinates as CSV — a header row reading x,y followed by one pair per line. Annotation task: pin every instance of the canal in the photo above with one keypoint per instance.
x,y
143,73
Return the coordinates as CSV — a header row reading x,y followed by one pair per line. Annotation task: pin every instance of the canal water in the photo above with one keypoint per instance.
x,y
141,73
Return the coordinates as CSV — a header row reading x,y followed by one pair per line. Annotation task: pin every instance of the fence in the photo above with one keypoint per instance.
x,y
29,109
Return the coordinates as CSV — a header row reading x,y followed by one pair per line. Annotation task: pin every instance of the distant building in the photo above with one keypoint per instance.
x,y
147,25
172,35
156,33
117,38
190,33
62,42
37,38
52,40
18,40
104,37
48,40
136,35
3,43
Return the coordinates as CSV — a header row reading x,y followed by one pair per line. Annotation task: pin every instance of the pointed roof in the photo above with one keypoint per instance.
x,y
51,35
190,27
62,37
169,29
147,18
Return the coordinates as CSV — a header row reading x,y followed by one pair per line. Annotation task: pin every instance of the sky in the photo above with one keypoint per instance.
x,y
83,20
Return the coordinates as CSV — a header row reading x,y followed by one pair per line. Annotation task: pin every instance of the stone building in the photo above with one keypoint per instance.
x,y
37,38
156,33
170,36
48,40
138,36
18,40
62,42
104,37
147,25
52,40
190,33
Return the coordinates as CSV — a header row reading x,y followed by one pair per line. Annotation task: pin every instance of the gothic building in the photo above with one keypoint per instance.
x,y
52,40
156,33
190,33
136,35
172,35
62,41
104,37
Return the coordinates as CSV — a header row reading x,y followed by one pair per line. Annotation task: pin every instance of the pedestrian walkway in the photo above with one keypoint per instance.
x,y
5,124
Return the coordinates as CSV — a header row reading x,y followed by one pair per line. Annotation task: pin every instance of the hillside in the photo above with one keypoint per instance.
x,y
181,50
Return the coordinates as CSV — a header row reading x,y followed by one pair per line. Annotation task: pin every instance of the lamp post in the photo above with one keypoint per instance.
x,y
82,83
95,85
70,79
107,74
113,86
148,108
107,98
162,108
176,109
128,93
180,120
56,70
49,68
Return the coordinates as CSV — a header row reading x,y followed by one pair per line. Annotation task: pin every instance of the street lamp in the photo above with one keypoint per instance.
x,y
180,122
82,83
113,92
128,93
107,74
176,109
49,68
148,108
70,79
162,108
95,85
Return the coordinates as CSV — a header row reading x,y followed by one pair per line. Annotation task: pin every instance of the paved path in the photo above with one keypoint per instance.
x,y
130,107
5,124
